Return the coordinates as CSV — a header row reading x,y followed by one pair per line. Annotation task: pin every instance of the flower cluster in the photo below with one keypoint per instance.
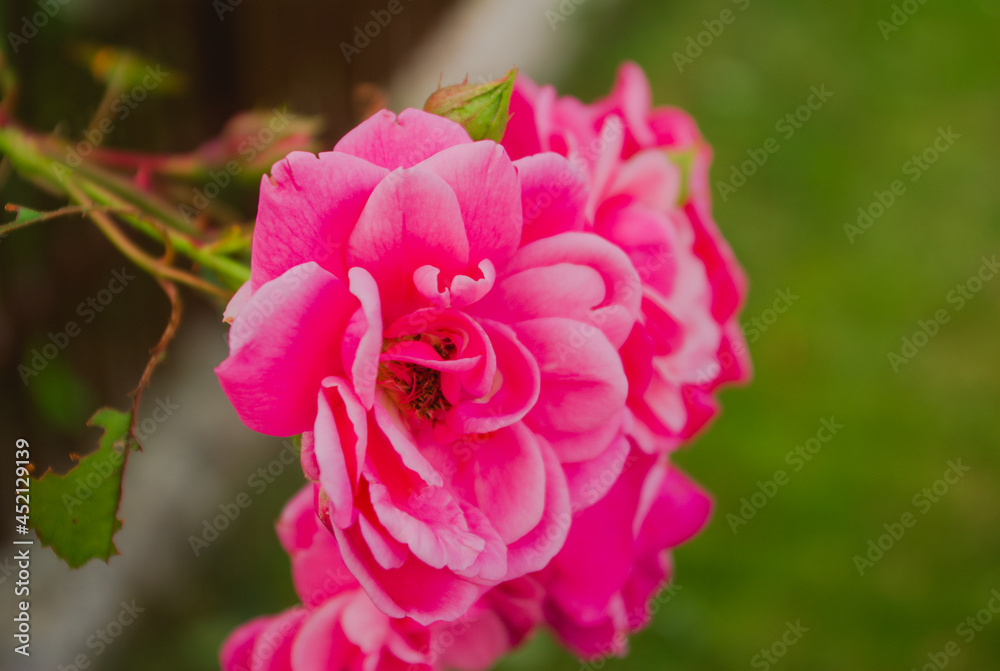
x,y
489,350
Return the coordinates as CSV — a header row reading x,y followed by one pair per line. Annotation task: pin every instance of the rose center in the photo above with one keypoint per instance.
x,y
414,388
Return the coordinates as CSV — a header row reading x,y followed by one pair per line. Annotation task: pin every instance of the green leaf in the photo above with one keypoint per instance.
x,y
76,514
23,216
482,109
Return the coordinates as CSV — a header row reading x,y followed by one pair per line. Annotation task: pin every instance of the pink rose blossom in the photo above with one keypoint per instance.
x,y
338,626
649,195
598,588
687,340
449,363
490,352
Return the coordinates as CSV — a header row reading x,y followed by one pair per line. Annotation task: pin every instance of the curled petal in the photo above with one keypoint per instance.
x,y
533,551
340,442
363,337
403,441
267,647
321,644
516,386
298,522
237,302
463,291
589,481
430,522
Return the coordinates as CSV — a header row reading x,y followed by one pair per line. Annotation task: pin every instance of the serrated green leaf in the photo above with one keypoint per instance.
x,y
24,215
76,514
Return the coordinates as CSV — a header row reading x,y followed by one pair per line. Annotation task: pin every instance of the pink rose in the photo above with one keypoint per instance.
x,y
441,363
338,626
649,195
687,341
598,588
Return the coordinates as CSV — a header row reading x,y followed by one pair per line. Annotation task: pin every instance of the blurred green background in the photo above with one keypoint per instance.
x,y
825,357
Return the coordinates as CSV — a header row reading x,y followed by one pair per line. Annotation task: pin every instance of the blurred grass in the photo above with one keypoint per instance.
x,y
825,357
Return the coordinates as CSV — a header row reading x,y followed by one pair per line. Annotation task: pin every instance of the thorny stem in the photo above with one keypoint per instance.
x,y
158,353
34,160
134,253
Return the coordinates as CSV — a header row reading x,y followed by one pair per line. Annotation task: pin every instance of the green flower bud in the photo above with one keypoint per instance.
x,y
482,109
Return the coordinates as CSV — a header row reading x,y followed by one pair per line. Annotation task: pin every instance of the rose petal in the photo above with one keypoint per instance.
x,y
413,590
401,142
412,219
492,215
237,302
617,312
363,337
280,349
321,644
516,387
583,383
533,551
341,439
553,196
308,208
506,480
